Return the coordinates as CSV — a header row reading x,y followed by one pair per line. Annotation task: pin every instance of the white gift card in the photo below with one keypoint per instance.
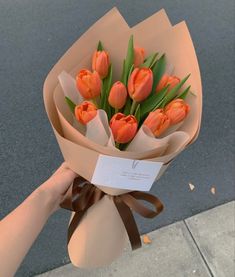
x,y
123,173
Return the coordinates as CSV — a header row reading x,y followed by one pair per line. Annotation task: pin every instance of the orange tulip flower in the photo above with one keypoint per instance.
x,y
100,63
139,55
140,83
157,122
117,95
85,112
88,83
123,127
166,80
177,110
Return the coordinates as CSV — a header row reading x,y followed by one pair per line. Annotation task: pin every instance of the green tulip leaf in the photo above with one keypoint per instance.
x,y
152,101
128,104
173,92
123,146
70,103
100,46
158,71
102,95
129,74
129,58
107,83
127,107
109,79
137,113
184,93
123,72
149,61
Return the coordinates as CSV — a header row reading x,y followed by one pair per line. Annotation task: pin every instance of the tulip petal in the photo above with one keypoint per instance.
x,y
140,84
123,127
143,87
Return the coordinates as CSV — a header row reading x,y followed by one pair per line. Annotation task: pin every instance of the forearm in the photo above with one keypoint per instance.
x,y
20,228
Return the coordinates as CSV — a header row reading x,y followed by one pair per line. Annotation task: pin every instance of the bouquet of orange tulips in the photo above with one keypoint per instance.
x,y
121,111
144,95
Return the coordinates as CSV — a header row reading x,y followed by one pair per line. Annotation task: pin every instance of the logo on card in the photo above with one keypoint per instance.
x,y
134,164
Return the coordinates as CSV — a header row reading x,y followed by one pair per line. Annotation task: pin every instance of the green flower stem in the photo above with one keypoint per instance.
x,y
117,145
116,110
133,107
95,101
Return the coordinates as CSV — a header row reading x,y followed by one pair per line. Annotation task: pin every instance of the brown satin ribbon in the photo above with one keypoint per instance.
x,y
82,195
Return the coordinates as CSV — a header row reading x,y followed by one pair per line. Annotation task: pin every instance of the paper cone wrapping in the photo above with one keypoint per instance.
x,y
101,236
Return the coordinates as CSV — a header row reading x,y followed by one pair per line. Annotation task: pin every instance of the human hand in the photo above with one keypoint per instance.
x,y
57,185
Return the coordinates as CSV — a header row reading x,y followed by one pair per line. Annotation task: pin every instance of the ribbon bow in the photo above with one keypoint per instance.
x,y
82,195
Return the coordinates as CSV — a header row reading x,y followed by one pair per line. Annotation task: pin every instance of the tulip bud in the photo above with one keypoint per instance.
x,y
85,112
139,54
166,80
100,63
123,127
157,122
88,83
177,110
140,83
117,95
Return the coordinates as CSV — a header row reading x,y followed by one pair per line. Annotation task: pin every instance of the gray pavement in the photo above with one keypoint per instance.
x,y
214,233
33,36
200,246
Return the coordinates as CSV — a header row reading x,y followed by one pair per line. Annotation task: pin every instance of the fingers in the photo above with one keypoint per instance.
x,y
69,174
64,166
67,171
63,178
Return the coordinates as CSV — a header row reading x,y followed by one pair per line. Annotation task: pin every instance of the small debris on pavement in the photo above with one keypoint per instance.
x,y
146,239
213,190
191,186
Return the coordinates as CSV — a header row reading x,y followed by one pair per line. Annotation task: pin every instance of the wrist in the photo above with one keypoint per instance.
x,y
47,199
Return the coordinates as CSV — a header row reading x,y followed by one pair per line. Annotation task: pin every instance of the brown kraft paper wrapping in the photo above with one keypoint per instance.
x,y
101,236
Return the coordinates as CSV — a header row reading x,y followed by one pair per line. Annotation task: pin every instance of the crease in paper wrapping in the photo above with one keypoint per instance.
x,y
101,237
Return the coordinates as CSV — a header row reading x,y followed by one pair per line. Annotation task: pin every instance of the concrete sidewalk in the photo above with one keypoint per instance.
x,y
200,246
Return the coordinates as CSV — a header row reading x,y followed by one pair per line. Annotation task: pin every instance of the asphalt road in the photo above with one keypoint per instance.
x,y
33,36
